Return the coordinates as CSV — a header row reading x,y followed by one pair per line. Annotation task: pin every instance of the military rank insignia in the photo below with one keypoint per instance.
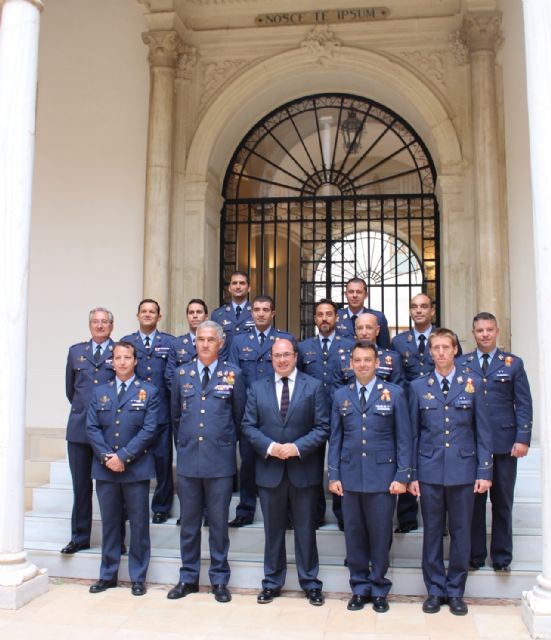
x,y
104,399
430,382
428,396
460,380
410,337
385,396
508,361
388,361
81,359
469,387
193,373
142,395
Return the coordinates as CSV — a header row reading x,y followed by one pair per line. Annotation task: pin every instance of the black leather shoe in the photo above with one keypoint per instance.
x,y
221,593
458,606
267,595
432,604
240,521
406,527
73,547
501,567
315,597
181,590
380,604
102,585
138,589
357,602
340,524
179,522
475,565
159,518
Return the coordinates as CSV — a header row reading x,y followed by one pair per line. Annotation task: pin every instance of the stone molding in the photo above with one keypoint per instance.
x,y
321,43
482,31
215,74
429,63
458,47
187,61
164,48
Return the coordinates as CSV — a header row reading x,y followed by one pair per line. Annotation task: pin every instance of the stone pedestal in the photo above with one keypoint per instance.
x,y
536,604
20,580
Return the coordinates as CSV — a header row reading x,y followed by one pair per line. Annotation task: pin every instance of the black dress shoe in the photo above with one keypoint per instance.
x,y
315,597
221,593
406,527
340,524
240,521
267,595
102,585
501,567
159,518
181,590
380,604
432,604
475,565
357,602
73,547
138,589
179,522
458,606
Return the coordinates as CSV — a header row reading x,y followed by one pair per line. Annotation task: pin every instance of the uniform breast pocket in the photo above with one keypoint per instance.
x,y
463,404
136,415
105,413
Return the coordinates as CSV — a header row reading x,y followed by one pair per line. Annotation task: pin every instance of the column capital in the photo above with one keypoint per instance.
x,y
164,47
481,31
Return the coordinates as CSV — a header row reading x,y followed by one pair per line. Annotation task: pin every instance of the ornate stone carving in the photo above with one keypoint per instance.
x,y
458,47
164,48
215,74
187,61
321,43
482,31
430,63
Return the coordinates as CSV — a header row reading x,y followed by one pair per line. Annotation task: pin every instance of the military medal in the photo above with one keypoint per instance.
x,y
469,387
385,396
142,395
508,361
388,361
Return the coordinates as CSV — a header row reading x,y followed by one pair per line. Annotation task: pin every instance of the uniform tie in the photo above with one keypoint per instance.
x,y
284,406
485,361
97,354
122,391
237,311
353,319
261,337
445,386
421,347
325,346
363,399
206,378
147,342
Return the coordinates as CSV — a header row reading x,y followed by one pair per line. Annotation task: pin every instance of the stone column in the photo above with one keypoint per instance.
x,y
163,55
536,604
20,580
481,34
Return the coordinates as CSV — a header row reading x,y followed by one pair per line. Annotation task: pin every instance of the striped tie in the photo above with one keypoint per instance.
x,y
284,398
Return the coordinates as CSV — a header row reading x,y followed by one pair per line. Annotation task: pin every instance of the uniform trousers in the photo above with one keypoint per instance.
x,y
247,480
162,454
80,456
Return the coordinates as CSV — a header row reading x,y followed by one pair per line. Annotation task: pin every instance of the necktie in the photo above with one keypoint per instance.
x,y
261,337
237,311
147,342
485,360
363,400
325,346
353,320
97,354
122,391
284,398
206,378
445,386
421,347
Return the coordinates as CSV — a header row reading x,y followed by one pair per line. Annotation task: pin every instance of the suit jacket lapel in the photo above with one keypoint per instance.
x,y
297,391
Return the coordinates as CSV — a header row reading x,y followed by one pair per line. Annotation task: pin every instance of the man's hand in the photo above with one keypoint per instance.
x,y
413,488
397,487
114,463
481,486
289,450
519,450
336,488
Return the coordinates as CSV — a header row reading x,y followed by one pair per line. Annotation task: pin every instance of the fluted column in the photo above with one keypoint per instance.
x,y
20,580
481,34
163,54
536,604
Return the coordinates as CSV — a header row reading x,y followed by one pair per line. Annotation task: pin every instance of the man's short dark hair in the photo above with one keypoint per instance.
x,y
264,298
198,301
485,315
357,280
126,345
240,273
366,344
325,301
152,302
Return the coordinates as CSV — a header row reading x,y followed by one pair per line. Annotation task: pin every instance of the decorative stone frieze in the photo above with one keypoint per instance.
x,y
217,73
164,48
458,47
321,43
430,63
187,61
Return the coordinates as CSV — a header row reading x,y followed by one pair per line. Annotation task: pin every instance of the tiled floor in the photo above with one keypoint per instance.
x,y
69,612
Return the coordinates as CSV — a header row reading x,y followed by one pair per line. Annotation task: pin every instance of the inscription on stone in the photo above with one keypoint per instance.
x,y
322,16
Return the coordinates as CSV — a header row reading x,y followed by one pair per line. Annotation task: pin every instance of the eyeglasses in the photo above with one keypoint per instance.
x,y
280,356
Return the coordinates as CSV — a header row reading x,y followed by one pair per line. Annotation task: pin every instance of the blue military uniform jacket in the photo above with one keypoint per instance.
x,y
306,425
507,397
346,329
182,351
226,318
333,369
126,428
254,359
151,368
206,423
452,435
390,366
370,449
82,375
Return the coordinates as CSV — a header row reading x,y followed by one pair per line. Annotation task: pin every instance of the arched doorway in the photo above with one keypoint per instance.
x,y
324,188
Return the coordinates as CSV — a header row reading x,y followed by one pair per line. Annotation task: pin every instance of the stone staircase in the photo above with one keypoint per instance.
x,y
47,530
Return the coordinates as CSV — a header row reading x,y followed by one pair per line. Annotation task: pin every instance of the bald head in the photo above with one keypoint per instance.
x,y
367,327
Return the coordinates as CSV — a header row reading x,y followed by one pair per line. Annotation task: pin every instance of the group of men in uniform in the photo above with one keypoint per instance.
x,y
411,417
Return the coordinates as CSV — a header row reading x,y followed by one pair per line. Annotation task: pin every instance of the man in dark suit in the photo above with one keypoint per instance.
x,y
88,364
452,454
152,349
508,403
356,295
369,463
208,399
252,353
287,421
121,425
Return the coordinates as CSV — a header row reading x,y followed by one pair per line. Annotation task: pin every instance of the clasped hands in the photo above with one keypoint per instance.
x,y
284,451
114,463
